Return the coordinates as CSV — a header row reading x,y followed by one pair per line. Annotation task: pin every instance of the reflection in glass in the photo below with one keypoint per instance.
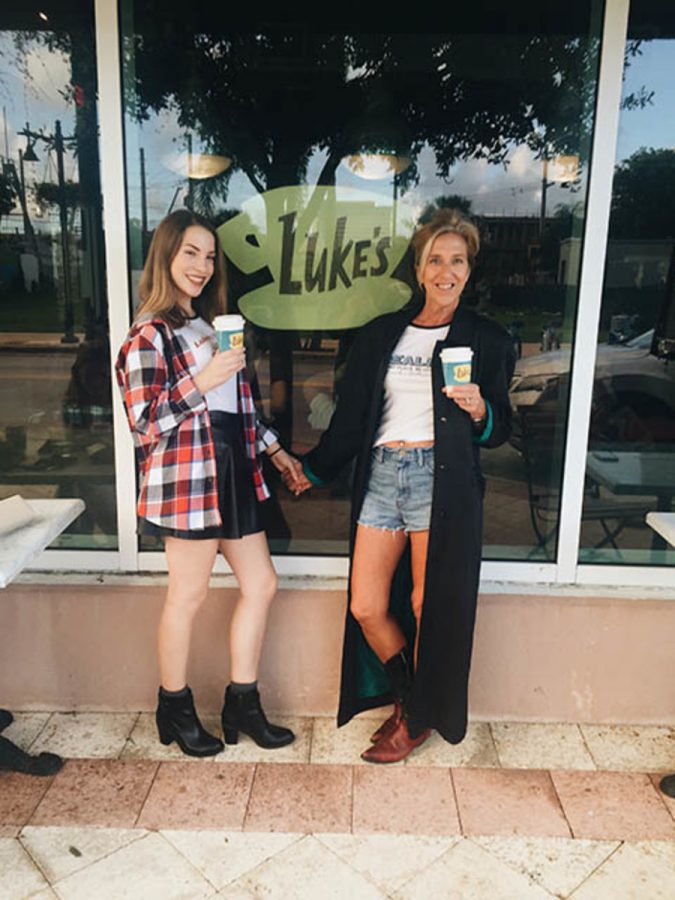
x,y
55,395
631,461
339,144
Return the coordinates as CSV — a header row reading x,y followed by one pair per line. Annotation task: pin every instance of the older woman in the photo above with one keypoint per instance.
x,y
418,495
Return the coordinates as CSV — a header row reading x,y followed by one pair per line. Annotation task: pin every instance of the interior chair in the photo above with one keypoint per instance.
x,y
540,440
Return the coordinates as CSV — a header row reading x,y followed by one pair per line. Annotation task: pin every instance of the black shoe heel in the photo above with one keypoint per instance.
x,y
178,721
242,712
231,735
164,736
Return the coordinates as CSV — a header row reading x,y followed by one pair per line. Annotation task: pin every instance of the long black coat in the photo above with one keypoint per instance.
x,y
439,696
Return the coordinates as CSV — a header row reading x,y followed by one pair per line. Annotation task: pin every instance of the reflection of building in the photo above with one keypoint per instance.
x,y
510,249
630,263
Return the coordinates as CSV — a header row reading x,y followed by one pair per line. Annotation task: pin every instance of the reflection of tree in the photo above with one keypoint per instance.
x,y
447,201
269,99
277,97
643,199
643,196
48,194
7,195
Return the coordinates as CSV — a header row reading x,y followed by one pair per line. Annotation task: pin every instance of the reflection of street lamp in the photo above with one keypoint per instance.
x,y
374,166
379,140
57,142
199,166
563,169
195,167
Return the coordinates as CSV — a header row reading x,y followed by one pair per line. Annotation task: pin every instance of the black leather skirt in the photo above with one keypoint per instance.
x,y
237,502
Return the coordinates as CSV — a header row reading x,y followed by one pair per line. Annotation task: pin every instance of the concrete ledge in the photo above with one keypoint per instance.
x,y
537,658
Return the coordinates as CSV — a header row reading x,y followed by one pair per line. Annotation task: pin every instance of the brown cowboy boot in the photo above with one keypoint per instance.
x,y
399,673
394,742
388,724
395,746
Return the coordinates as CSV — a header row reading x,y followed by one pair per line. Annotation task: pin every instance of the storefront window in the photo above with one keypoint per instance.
x,y
631,453
55,395
318,153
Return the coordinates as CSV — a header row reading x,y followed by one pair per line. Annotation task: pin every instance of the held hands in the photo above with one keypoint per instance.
x,y
468,398
301,484
220,368
290,469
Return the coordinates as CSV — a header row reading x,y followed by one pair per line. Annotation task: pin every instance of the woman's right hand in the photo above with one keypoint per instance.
x,y
222,366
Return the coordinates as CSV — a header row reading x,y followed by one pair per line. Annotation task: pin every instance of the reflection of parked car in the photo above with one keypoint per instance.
x,y
633,392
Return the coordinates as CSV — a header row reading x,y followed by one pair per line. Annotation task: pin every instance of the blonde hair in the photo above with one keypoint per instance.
x,y
444,221
156,289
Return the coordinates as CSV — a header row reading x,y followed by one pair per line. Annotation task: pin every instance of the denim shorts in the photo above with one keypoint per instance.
x,y
398,497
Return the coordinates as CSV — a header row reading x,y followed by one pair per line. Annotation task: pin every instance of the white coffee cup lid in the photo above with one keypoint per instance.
x,y
230,322
456,354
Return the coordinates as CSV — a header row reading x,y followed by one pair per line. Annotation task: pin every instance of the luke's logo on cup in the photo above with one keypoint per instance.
x,y
229,331
456,362
462,373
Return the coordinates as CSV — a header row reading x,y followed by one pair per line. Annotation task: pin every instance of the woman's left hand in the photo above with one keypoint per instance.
x,y
469,399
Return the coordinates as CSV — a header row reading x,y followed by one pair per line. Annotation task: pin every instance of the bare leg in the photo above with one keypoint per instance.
x,y
376,555
249,558
190,564
419,545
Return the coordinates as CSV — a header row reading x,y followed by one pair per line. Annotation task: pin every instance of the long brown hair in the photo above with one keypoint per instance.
x,y
156,289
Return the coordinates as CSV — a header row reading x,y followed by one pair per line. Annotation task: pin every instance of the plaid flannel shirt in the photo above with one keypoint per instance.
x,y
171,428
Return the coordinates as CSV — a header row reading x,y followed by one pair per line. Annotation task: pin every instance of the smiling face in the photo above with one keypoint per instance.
x,y
193,265
444,274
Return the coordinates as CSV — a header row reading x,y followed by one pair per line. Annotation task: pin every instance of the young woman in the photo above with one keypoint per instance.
x,y
197,439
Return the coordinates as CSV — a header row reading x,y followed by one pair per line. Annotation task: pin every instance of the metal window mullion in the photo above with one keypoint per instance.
x,y
76,561
111,143
596,228
626,576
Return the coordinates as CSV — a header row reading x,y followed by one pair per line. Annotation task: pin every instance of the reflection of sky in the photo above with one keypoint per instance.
x,y
36,99
653,126
492,189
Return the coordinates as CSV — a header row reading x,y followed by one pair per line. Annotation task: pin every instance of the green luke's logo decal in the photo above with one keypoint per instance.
x,y
329,254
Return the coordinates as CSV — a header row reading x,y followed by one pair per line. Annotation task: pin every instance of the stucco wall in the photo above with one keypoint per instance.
x,y
561,658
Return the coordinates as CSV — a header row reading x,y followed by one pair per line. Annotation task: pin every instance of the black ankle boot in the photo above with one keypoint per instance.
x,y
243,712
177,721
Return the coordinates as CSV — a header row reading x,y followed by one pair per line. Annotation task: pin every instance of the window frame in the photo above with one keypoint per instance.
x,y
566,570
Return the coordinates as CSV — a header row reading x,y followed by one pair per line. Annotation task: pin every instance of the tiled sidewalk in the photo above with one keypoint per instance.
x,y
515,811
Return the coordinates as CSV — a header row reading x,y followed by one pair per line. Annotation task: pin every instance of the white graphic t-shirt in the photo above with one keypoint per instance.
x,y
407,413
201,339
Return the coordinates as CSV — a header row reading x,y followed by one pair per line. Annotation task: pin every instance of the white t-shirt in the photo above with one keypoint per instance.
x,y
407,412
201,339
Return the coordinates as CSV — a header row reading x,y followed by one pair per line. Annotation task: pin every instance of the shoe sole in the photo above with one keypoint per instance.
x,y
165,740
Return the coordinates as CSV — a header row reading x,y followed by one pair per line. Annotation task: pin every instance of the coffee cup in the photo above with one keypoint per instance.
x,y
229,331
456,362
